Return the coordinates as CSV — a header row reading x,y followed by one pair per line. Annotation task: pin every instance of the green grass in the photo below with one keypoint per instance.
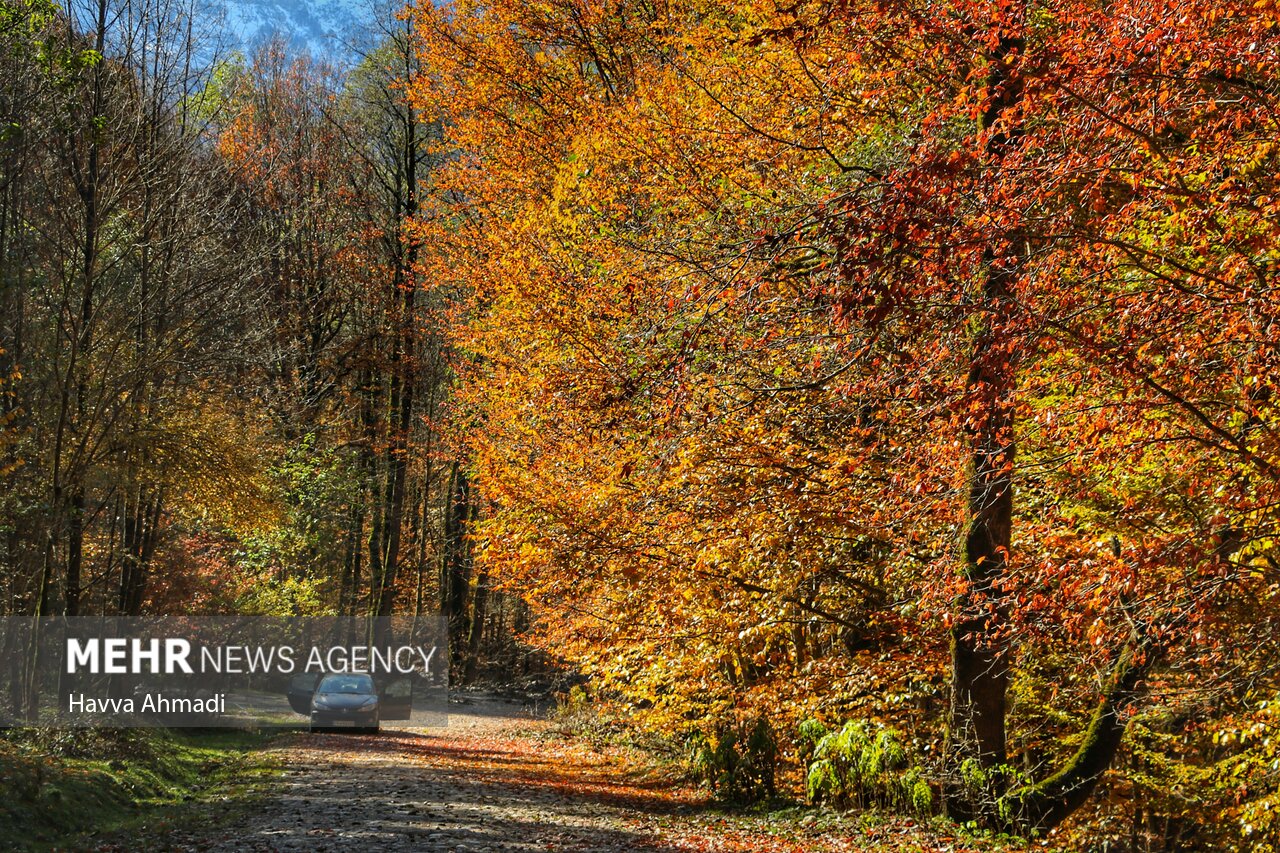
x,y
64,789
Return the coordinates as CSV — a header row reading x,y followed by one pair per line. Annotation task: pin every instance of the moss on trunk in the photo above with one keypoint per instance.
x,y
1045,804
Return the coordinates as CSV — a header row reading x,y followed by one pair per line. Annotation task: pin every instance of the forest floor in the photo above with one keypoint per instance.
x,y
499,780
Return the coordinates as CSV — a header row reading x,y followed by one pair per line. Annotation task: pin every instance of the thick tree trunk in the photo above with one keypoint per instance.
x,y
130,538
979,653
980,665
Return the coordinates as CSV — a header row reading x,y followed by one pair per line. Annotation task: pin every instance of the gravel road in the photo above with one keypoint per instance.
x,y
496,779
493,780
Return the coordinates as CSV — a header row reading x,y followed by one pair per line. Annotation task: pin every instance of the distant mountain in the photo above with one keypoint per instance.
x,y
328,29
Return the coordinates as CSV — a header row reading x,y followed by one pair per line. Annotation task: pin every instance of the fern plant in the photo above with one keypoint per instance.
x,y
864,766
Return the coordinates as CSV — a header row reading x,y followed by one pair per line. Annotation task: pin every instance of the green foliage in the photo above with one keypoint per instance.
x,y
29,30
808,735
1247,780
211,101
283,596
290,562
60,782
865,766
737,758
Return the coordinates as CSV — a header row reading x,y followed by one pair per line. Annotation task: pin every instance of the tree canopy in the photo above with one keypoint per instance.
x,y
856,385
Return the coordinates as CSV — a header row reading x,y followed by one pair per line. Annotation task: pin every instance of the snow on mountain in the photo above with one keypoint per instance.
x,y
328,29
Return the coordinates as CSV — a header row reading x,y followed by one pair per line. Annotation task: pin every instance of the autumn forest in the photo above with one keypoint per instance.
x,y
868,403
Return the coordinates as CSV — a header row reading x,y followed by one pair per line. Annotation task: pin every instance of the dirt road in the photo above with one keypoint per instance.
x,y
493,780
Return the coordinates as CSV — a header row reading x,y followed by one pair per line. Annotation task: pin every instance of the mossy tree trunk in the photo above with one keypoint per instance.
x,y
1046,804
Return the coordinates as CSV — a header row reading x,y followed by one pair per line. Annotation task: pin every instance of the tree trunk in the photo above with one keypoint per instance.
x,y
1046,804
141,522
979,652
455,562
479,604
403,366
75,552
420,544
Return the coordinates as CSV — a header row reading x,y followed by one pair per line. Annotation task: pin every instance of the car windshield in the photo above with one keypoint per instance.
x,y
346,684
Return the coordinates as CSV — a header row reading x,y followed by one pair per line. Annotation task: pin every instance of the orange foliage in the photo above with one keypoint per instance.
x,y
725,269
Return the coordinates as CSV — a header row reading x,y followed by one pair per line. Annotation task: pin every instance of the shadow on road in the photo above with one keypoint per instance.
x,y
493,780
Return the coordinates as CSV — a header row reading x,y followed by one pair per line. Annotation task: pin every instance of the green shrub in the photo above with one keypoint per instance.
x,y
864,766
809,733
738,758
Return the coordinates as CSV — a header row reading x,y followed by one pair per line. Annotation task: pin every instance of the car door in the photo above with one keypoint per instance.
x,y
395,700
301,689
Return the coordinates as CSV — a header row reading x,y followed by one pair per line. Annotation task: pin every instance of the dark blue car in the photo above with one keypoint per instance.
x,y
346,700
